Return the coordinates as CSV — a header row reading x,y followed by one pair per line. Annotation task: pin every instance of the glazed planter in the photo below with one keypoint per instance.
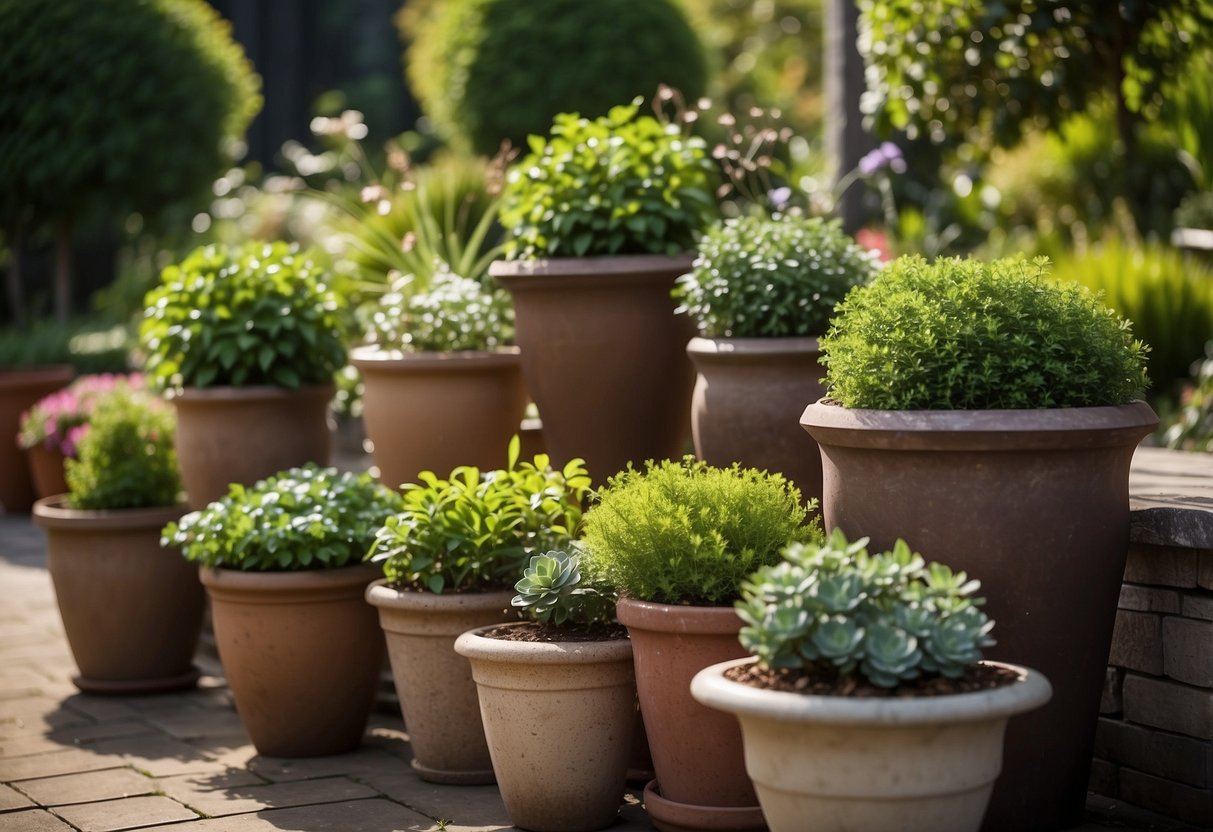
x,y
924,764
746,407
559,720
46,469
603,355
1035,504
697,754
244,434
434,683
19,391
132,611
435,411
301,652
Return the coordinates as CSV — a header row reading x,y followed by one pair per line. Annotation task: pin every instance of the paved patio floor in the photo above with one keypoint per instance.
x,y
70,761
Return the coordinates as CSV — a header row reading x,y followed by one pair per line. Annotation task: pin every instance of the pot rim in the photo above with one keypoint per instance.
x,y
742,348
223,579
226,393
634,613
16,378
373,357
473,645
613,264
384,596
711,688
54,513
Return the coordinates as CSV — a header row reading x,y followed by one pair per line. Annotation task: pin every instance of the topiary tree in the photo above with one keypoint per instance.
x,y
491,70
109,107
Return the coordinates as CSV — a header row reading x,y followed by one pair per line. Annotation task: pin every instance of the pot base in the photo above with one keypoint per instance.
x,y
670,816
130,687
454,778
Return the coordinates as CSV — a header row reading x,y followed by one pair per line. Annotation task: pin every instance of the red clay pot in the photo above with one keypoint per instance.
x,y
46,468
697,752
604,356
19,391
1035,504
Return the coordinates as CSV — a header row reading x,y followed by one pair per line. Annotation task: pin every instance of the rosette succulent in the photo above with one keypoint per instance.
x,y
554,589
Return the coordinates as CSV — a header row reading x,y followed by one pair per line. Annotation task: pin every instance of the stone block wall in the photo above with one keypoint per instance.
x,y
1154,744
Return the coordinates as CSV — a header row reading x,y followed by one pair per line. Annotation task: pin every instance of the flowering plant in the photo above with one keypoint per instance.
x,y
60,420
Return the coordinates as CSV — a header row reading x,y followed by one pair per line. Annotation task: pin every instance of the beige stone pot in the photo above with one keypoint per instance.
x,y
244,434
132,611
559,719
434,411
19,391
302,654
434,683
880,765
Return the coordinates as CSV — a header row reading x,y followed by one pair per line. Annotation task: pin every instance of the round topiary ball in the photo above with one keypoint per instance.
x,y
115,105
490,70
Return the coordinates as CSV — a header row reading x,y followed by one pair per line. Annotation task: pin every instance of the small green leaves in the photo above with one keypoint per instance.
x,y
888,616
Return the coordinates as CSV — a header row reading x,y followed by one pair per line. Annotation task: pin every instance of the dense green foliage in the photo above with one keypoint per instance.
x,y
1195,211
555,589
451,314
112,106
967,334
1168,297
758,277
83,345
1193,426
619,184
686,532
301,518
257,314
492,70
474,530
889,616
126,458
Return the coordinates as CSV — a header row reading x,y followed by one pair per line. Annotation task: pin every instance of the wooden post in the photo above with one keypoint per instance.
x,y
846,140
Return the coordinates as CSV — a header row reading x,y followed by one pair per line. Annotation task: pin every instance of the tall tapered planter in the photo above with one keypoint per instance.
x,y
132,611
19,391
603,355
1035,504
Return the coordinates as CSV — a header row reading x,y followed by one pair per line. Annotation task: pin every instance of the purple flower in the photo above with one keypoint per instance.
x,y
780,197
887,155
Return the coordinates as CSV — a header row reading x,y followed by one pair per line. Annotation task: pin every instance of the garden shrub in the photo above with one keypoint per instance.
x,y
492,70
1192,429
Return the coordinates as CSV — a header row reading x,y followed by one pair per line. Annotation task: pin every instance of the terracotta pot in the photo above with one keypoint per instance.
x,y
697,754
19,391
437,694
131,610
559,720
244,434
1034,503
434,411
301,652
747,403
46,468
604,356
881,765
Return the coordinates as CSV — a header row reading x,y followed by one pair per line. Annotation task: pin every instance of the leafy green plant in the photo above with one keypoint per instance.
x,y
835,608
686,532
301,518
257,314
491,70
1192,429
969,334
126,458
452,314
1195,211
758,276
619,184
472,530
555,589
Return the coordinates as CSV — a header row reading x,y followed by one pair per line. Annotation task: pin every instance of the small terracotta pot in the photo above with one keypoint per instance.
x,y
301,652
19,391
747,403
46,469
924,764
434,411
132,611
559,719
434,683
697,754
244,434
604,356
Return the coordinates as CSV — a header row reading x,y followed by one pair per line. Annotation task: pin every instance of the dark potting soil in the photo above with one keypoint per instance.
x,y
825,681
538,631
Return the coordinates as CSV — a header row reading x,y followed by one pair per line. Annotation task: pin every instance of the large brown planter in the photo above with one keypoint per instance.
x,y
1034,503
301,652
697,752
747,403
19,391
434,683
245,434
46,469
132,611
559,719
434,411
604,356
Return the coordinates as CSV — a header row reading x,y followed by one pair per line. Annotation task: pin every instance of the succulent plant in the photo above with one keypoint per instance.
x,y
553,589
890,617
